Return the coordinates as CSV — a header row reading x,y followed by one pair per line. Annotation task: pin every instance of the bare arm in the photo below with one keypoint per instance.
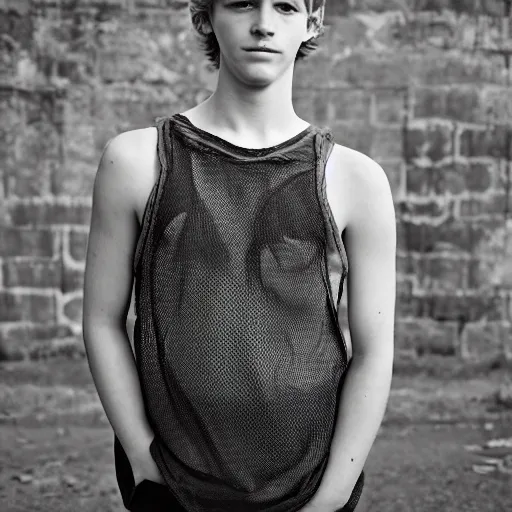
x,y
371,250
107,291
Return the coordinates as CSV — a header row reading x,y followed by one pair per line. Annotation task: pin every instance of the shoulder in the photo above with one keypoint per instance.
x,y
364,180
362,169
131,153
128,166
138,144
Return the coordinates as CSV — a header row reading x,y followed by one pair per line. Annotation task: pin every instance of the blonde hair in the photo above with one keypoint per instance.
x,y
201,11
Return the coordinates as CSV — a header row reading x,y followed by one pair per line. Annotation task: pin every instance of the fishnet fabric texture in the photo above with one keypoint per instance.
x,y
239,272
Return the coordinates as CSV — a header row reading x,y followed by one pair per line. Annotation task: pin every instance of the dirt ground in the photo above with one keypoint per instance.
x,y
445,443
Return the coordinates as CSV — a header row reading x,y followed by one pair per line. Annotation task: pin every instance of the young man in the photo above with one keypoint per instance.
x,y
239,222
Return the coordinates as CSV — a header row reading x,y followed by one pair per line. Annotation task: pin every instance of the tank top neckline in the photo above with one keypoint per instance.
x,y
209,138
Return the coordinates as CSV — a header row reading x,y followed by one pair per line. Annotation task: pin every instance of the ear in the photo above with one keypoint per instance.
x,y
206,27
314,27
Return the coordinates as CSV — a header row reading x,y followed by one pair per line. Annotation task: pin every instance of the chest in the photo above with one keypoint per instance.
x,y
335,187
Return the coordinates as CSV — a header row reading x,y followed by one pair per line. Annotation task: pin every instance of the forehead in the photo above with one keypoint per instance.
x,y
309,4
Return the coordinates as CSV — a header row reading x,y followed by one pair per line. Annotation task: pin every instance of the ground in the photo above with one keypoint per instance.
x,y
445,443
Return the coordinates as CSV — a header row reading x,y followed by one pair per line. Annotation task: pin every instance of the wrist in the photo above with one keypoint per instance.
x,y
138,446
331,503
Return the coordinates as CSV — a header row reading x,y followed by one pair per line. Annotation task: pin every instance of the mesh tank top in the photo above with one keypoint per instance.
x,y
239,271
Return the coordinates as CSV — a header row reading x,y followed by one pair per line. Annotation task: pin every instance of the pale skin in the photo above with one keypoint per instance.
x,y
251,107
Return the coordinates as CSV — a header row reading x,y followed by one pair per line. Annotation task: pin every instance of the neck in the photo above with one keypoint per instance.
x,y
253,113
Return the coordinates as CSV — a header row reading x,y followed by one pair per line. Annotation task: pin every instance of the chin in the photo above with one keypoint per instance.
x,y
259,74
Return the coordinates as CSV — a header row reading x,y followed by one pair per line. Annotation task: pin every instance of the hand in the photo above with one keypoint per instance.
x,y
144,467
317,504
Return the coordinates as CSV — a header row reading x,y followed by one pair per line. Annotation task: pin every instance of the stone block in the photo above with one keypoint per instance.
x,y
37,243
35,180
387,143
368,68
458,103
439,274
72,279
73,309
455,67
33,273
75,180
395,172
391,105
484,339
26,332
454,177
486,142
354,136
431,208
346,104
50,212
426,336
433,142
457,307
26,307
78,244
497,204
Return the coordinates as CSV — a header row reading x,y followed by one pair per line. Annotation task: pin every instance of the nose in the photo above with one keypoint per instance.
x,y
263,24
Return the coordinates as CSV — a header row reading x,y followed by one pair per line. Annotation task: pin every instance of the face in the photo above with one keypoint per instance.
x,y
280,25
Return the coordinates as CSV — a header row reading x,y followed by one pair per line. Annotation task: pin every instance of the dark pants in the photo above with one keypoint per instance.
x,y
146,496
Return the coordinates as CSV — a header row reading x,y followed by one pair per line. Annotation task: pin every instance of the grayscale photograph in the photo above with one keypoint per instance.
x,y
255,255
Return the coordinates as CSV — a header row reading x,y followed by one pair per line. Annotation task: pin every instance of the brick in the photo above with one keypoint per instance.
x,y
451,68
492,204
490,268
39,139
26,242
387,143
439,274
303,101
495,142
434,142
78,244
50,212
484,339
435,179
467,308
23,332
343,32
395,172
17,27
406,304
455,235
17,306
454,177
348,104
37,273
354,136
426,336
455,103
368,68
432,208
73,309
31,181
479,176
75,180
496,105
390,105
72,279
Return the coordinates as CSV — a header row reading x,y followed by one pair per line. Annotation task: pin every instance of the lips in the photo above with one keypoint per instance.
x,y
261,49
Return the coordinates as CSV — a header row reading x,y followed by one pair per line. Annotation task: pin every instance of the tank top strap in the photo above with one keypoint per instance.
x,y
337,259
164,152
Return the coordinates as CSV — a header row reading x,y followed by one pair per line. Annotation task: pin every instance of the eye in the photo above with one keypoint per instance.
x,y
289,8
240,5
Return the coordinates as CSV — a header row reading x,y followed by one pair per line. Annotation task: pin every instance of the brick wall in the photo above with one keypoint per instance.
x,y
422,86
